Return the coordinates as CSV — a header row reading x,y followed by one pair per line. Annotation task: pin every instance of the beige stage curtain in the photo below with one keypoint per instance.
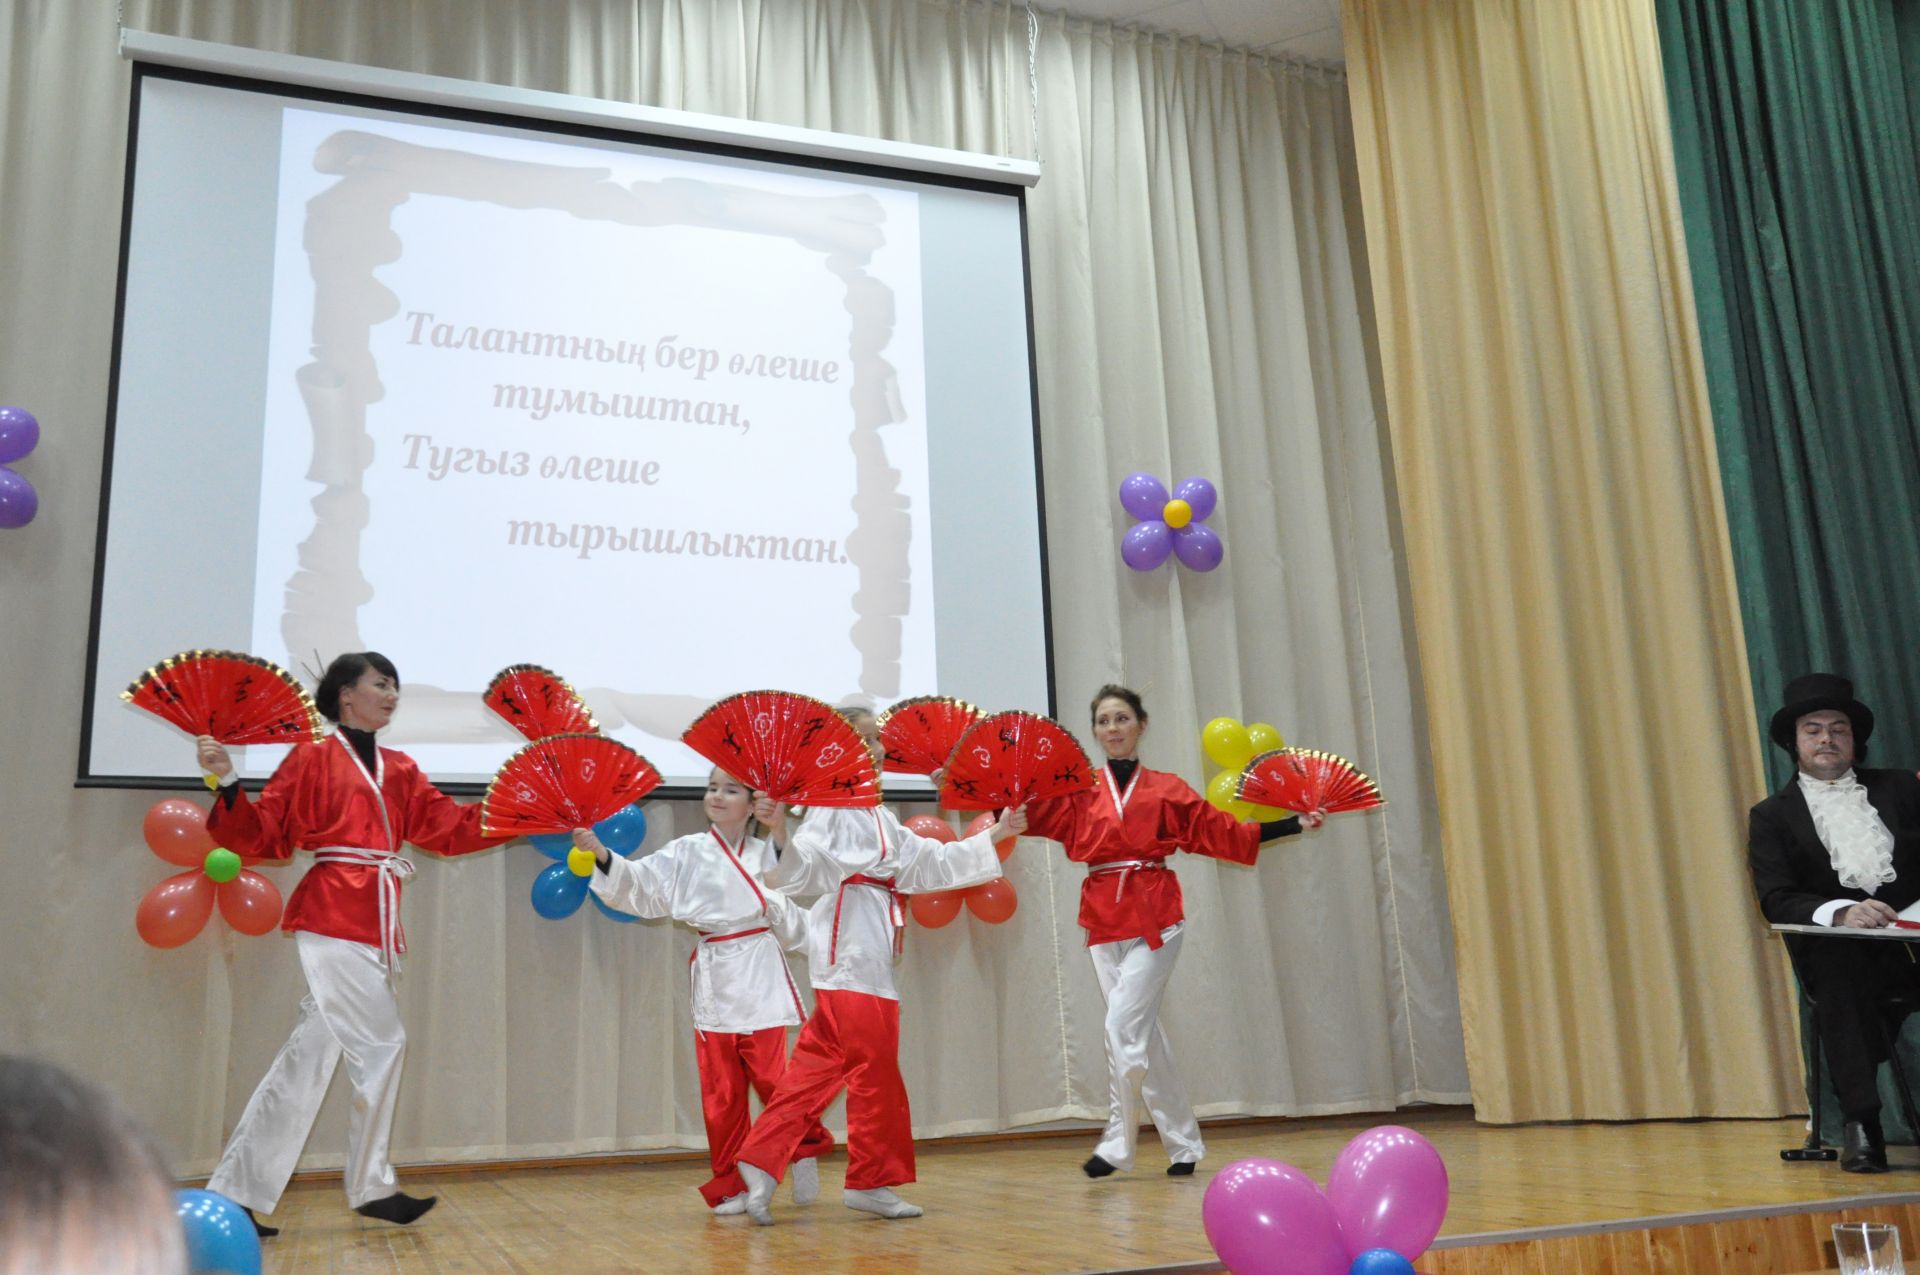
x,y
1198,273
1593,733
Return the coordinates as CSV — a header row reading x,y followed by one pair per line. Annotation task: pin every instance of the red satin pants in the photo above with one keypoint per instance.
x,y
851,1042
730,1063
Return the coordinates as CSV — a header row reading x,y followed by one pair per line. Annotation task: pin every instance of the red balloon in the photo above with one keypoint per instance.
x,y
983,821
175,910
932,826
176,830
936,909
250,902
993,902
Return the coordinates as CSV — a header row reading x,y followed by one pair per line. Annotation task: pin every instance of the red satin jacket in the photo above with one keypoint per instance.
x,y
1145,822
322,796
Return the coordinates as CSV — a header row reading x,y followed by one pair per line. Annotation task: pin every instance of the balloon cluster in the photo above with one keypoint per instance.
x,y
993,902
1173,524
562,887
1385,1200
177,909
221,1239
1230,745
19,435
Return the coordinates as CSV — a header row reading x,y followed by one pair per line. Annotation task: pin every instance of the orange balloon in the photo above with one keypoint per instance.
x,y
175,910
176,830
250,902
993,902
936,909
984,821
931,826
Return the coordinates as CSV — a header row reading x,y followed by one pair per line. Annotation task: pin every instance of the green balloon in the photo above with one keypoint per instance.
x,y
222,866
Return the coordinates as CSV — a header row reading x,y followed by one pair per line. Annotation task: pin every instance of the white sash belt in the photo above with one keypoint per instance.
x,y
393,869
1126,868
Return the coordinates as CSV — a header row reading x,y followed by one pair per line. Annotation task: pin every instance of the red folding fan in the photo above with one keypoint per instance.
x,y
1306,779
919,734
564,782
235,697
537,702
1010,759
791,747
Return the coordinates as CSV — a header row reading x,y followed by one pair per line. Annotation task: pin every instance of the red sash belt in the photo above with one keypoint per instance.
x,y
894,913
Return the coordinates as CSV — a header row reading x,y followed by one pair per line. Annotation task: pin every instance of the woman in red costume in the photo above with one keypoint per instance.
x,y
1125,829
352,804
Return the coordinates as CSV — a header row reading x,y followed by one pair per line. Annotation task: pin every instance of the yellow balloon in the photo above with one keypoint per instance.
x,y
580,862
1226,742
1264,738
1220,789
1266,814
1177,514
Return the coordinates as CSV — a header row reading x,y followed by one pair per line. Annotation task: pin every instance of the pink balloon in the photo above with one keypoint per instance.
x,y
1268,1218
1389,1190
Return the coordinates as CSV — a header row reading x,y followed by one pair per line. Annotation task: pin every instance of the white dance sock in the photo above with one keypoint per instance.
x,y
805,1177
881,1202
732,1206
760,1186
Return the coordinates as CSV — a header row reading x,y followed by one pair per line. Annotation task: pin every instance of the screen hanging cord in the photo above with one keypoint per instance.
x,y
1033,79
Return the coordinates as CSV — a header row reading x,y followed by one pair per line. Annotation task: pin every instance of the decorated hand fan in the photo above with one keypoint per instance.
x,y
235,697
1306,779
919,734
1013,758
564,782
537,702
791,747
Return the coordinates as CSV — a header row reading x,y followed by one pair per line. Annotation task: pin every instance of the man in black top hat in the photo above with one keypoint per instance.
x,y
1840,846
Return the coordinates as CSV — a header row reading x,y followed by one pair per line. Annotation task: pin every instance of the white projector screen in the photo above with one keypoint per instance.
x,y
474,392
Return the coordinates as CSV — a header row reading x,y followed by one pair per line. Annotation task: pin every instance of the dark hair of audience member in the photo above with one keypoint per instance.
x,y
82,1189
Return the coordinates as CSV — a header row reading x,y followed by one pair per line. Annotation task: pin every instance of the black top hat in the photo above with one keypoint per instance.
x,y
1812,692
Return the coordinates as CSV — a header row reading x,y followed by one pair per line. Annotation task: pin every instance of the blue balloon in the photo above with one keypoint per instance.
x,y
552,844
1381,1261
623,830
557,892
220,1236
614,913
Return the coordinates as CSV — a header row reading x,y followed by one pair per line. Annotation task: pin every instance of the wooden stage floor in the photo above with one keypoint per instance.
x,y
1022,1205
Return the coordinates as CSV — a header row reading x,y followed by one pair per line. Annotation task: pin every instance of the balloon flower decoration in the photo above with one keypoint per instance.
x,y
177,909
993,902
562,887
1385,1200
19,435
1230,745
221,1239
1173,524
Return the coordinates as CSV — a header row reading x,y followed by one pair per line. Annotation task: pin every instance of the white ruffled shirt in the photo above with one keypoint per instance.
x,y
1857,840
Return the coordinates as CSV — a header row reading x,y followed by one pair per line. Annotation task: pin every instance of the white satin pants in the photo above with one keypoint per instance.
x,y
1133,977
349,1012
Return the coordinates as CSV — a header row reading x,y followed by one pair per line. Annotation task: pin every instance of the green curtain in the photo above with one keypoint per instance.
x,y
1795,124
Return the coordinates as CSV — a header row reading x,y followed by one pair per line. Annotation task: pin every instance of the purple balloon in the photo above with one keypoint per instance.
x,y
19,433
1268,1218
1389,1190
1143,495
1147,544
19,502
1199,546
1199,494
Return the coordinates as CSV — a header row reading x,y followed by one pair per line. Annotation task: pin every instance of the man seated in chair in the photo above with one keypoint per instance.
x,y
1840,846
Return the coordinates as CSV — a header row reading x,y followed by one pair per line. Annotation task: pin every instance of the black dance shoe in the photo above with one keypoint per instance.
x,y
1095,1167
261,1228
1861,1149
398,1208
1182,1170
